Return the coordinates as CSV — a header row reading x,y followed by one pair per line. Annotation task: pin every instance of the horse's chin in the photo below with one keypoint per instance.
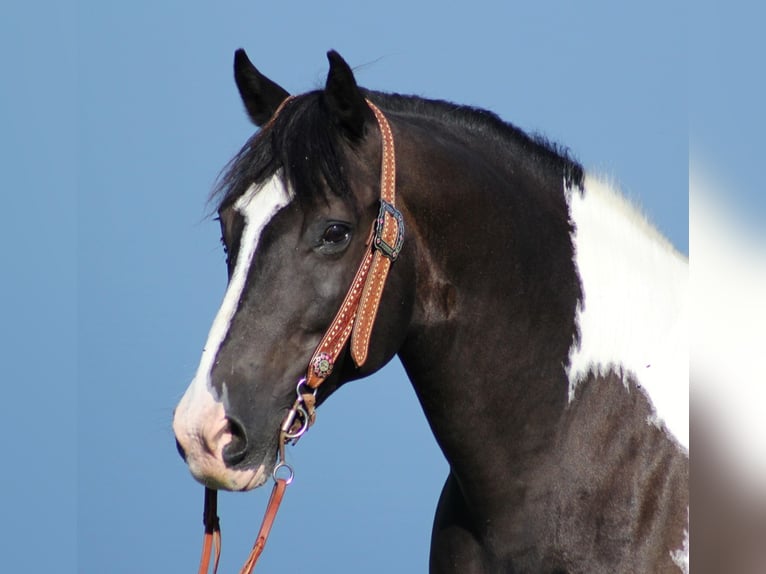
x,y
232,479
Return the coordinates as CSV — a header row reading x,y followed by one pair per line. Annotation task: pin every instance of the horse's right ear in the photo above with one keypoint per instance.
x,y
260,95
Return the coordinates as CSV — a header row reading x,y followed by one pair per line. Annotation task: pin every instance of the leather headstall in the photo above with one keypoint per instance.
x,y
354,319
359,308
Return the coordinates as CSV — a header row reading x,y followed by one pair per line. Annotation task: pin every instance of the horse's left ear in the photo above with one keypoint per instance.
x,y
260,95
343,97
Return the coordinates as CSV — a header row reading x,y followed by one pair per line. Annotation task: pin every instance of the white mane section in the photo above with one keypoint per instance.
x,y
633,317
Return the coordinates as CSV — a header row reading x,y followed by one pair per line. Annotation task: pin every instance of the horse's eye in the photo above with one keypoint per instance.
x,y
336,234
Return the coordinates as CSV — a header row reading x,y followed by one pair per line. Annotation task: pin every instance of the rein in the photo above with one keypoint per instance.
x,y
354,319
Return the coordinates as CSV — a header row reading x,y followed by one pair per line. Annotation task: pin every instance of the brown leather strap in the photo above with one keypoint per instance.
x,y
368,309
212,537
359,308
277,493
335,337
387,242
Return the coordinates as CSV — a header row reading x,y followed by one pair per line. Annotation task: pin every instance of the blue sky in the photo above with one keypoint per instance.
x,y
114,122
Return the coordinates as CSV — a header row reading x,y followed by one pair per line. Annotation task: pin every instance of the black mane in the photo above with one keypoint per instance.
x,y
304,141
545,154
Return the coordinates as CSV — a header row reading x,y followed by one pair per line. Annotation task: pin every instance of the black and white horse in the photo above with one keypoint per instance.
x,y
539,317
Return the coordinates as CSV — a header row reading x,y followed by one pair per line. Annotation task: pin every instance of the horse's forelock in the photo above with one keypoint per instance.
x,y
303,142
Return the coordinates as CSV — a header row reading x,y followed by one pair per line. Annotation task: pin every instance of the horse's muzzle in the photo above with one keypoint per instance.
x,y
212,444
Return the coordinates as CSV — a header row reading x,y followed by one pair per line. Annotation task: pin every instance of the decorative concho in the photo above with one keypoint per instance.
x,y
322,365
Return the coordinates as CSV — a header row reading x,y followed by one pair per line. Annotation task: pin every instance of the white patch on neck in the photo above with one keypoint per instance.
x,y
258,206
633,317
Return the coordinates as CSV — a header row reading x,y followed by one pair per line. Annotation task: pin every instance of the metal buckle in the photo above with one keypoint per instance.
x,y
390,251
300,412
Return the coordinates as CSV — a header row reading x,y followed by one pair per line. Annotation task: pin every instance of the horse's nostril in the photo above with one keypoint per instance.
x,y
180,450
234,452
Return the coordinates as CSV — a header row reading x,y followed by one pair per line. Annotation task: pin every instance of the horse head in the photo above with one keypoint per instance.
x,y
296,208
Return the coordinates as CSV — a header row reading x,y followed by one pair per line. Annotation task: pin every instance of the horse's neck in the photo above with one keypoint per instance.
x,y
490,346
634,309
494,318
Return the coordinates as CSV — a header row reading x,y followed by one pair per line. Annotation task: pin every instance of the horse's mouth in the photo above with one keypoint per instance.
x,y
214,474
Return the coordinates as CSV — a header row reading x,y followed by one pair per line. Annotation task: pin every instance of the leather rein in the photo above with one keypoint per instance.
x,y
354,319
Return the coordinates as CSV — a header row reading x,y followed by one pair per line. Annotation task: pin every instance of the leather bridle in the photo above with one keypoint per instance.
x,y
354,319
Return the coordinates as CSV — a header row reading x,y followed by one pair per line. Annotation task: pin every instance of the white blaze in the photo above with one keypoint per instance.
x,y
634,311
199,421
258,206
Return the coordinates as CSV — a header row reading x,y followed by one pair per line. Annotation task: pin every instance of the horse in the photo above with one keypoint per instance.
x,y
540,318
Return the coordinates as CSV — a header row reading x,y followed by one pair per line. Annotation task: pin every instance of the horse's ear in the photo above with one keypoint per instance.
x,y
260,95
343,97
